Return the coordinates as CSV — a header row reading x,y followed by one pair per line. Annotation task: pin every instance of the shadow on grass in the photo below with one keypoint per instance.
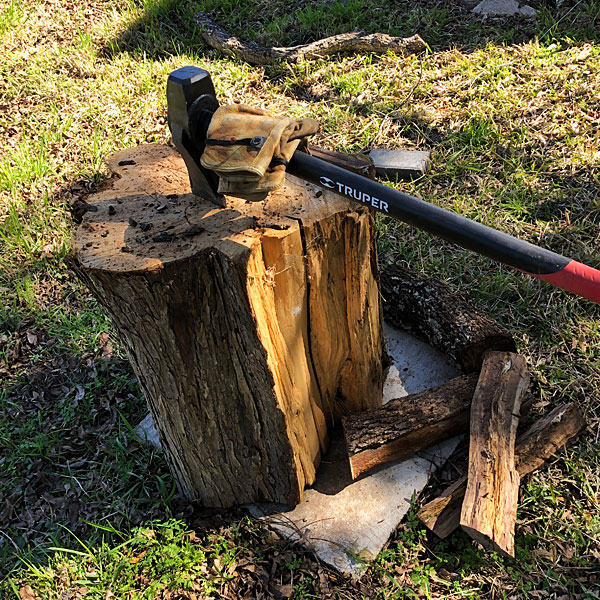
x,y
167,28
579,202
68,402
69,456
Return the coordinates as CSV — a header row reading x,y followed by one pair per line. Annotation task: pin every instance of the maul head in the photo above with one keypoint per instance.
x,y
191,102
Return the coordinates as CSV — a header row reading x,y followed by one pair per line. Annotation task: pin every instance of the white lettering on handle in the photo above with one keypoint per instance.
x,y
355,194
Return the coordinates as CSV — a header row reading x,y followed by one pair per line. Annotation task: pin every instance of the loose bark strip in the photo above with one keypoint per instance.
x,y
489,510
541,441
216,37
429,309
406,425
214,307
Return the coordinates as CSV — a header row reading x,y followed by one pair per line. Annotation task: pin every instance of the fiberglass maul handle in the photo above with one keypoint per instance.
x,y
548,266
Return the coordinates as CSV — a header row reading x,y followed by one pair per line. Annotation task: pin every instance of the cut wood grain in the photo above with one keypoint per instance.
x,y
215,308
540,442
489,509
406,425
355,41
429,309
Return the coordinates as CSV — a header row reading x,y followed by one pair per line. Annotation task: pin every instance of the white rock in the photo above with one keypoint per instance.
x,y
503,8
147,433
348,529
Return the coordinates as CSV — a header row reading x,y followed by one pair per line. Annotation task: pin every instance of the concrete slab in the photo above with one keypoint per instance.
x,y
503,8
348,529
347,523
416,365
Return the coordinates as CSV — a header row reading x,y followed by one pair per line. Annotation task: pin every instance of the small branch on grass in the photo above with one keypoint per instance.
x,y
356,41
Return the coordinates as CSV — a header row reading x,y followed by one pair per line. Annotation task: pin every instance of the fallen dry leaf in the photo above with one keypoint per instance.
x,y
26,593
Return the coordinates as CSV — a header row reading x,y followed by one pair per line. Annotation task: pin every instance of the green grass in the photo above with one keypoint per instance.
x,y
510,110
166,556
10,16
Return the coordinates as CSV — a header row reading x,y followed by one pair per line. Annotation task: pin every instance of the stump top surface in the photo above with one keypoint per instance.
x,y
144,216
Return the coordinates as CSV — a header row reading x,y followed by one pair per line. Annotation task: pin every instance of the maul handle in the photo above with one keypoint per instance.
x,y
191,96
543,264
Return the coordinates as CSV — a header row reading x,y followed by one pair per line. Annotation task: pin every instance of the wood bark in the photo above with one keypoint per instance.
x,y
355,41
489,509
541,441
406,425
215,307
430,310
360,164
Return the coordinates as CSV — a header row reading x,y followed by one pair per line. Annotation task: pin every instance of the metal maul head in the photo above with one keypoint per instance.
x,y
191,100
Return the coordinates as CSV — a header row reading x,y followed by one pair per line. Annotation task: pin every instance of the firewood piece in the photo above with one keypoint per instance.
x,y
489,510
400,164
442,514
546,436
360,164
541,441
406,425
429,309
356,41
214,307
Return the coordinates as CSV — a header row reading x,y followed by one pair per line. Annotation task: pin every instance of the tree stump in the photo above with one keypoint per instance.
x,y
251,328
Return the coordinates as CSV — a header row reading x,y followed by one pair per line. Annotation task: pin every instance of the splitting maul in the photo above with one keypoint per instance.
x,y
191,101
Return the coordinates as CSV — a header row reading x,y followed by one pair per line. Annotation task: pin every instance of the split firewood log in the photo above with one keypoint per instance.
x,y
540,442
406,425
489,510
